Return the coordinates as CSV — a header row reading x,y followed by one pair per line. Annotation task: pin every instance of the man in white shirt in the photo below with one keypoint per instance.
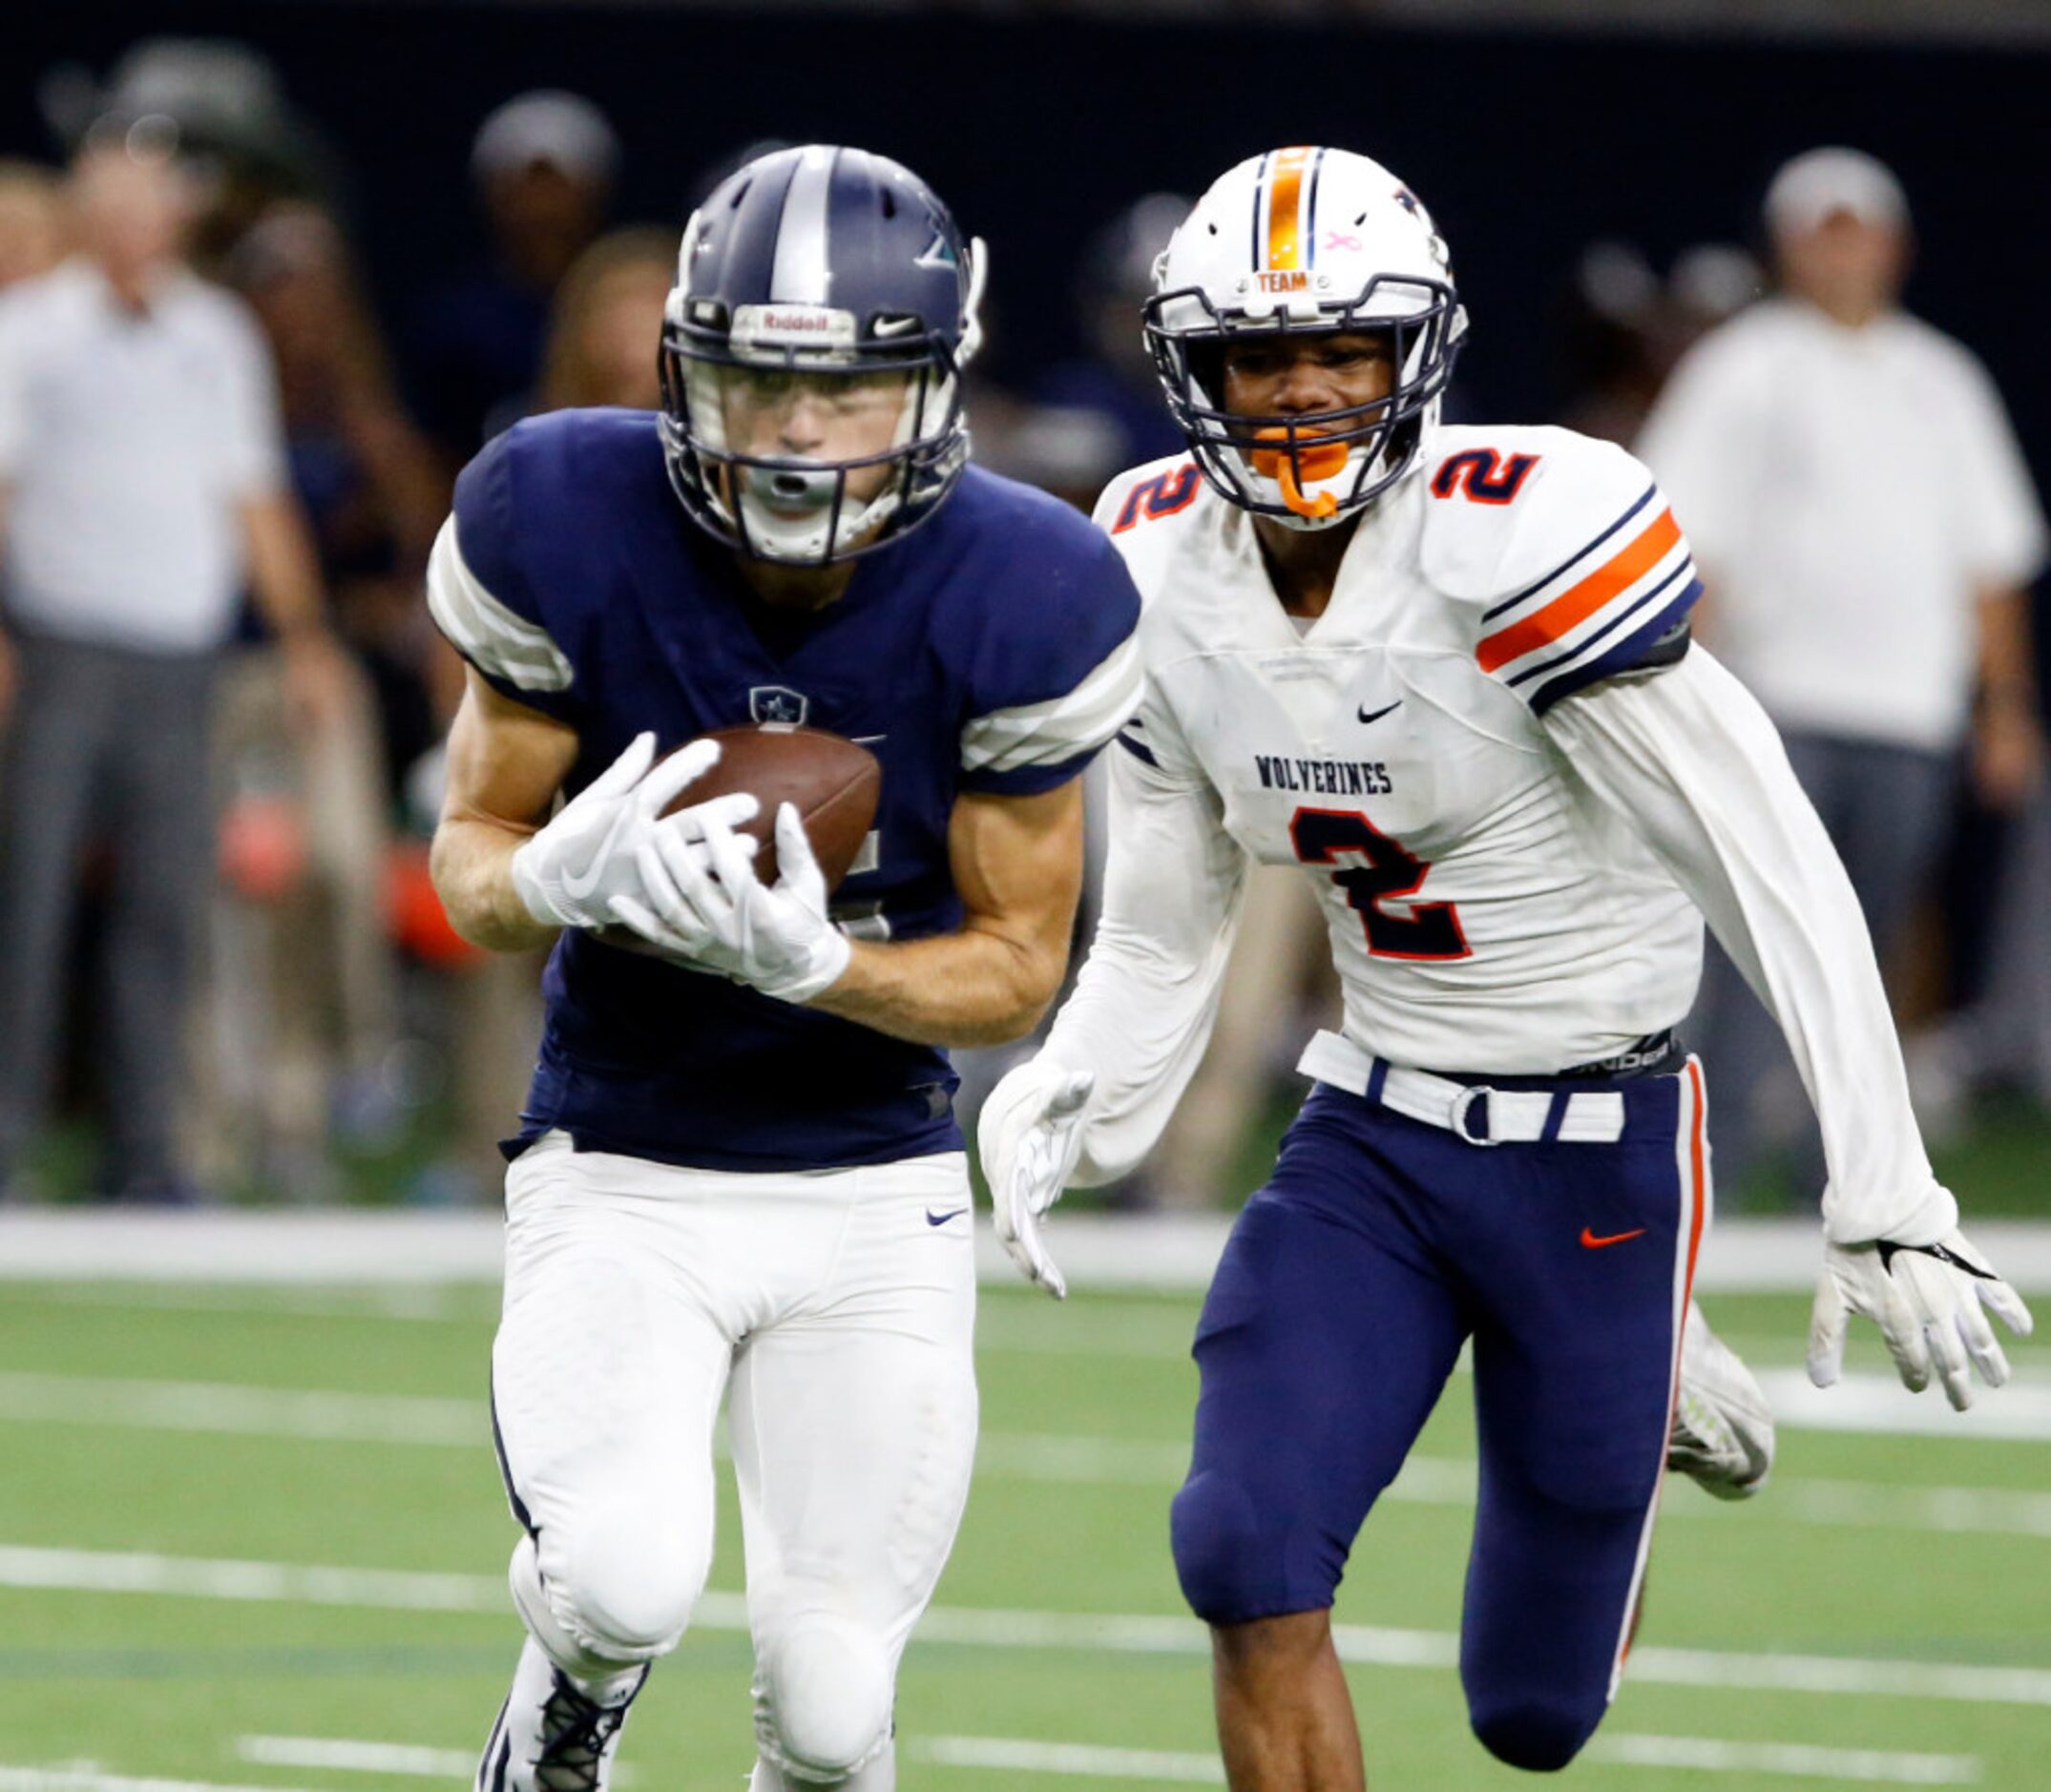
x,y
1865,525
142,483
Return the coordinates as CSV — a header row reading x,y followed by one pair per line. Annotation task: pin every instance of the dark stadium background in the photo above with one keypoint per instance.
x,y
1526,144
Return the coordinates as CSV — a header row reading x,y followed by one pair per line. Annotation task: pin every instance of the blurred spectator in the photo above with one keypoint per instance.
x,y
1621,330
1609,326
1865,525
369,482
303,992
544,164
32,239
1709,283
222,105
1101,413
601,350
144,477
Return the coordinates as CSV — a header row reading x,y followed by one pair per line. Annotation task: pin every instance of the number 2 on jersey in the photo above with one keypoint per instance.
x,y
1384,870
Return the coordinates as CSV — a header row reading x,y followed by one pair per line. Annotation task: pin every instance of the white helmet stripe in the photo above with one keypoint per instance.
x,y
800,274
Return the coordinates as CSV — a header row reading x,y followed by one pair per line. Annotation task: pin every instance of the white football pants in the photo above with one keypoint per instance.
x,y
841,1304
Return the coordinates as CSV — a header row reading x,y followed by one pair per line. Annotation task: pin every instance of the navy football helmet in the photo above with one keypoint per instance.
x,y
831,276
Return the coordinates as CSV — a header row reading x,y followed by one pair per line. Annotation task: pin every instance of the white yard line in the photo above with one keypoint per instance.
x,y
86,1777
86,1571
1166,1252
241,1409
1075,1759
402,1419
451,1304
1790,1760
1878,1402
338,1756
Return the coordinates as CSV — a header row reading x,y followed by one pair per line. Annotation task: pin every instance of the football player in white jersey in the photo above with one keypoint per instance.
x,y
1447,670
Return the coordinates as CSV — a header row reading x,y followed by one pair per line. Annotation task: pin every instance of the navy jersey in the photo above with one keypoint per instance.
x,y
991,652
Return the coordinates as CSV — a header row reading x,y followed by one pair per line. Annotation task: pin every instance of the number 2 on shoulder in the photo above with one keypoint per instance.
x,y
1482,476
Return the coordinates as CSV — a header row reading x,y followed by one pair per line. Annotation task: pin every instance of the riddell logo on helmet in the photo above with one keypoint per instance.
x,y
796,321
1282,282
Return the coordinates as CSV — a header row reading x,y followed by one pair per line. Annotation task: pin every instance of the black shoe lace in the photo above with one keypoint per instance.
x,y
574,1733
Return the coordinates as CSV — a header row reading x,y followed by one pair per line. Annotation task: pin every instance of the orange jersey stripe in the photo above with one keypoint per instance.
x,y
1579,601
1285,239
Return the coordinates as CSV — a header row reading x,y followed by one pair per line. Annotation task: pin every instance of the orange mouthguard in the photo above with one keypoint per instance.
x,y
1318,460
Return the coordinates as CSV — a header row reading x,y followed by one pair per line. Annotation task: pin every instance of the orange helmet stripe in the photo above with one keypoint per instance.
x,y
1285,228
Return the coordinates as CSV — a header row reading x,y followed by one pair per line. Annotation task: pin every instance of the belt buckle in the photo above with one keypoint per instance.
x,y
1457,1112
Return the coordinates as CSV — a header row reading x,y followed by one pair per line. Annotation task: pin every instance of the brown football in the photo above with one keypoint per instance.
x,y
833,783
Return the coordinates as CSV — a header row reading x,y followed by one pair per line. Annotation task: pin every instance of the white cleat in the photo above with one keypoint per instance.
x,y
549,1736
1722,1429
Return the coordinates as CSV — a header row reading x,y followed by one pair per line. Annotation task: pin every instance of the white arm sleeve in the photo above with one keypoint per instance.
x,y
1689,758
1147,998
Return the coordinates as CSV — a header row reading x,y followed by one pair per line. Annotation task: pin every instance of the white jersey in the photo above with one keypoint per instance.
x,y
1485,914
1517,788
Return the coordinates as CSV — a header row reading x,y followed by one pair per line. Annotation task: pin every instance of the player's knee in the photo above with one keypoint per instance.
x,y
1539,1734
823,1698
1232,1559
627,1587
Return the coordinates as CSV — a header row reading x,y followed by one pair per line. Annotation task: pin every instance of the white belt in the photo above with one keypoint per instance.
x,y
1480,1114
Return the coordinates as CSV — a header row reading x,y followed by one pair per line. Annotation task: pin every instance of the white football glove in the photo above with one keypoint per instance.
x,y
1029,1136
577,870
703,901
1927,1301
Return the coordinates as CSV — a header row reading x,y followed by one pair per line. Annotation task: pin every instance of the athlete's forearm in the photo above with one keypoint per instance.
x,y
1147,997
968,988
1692,761
470,863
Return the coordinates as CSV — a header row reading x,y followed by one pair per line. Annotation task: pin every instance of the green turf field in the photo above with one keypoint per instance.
x,y
154,1437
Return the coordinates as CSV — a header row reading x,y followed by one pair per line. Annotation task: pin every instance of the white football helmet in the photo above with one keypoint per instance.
x,y
1305,240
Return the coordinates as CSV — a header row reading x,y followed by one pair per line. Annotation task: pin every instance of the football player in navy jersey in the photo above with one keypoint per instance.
x,y
739,1168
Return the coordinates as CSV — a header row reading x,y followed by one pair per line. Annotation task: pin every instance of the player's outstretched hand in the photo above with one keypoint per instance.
x,y
1931,1302
1029,1136
703,903
579,869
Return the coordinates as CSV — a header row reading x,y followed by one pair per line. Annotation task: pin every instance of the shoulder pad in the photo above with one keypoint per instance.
x,y
1563,551
1145,494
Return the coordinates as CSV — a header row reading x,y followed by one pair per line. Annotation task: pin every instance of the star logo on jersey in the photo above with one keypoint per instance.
x,y
778,703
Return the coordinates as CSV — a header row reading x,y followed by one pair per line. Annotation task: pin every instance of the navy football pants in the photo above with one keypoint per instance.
x,y
1350,1283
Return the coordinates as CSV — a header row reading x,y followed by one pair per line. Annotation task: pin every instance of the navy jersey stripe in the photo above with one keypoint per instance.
x,y
1578,554
1620,658
1686,569
1260,196
1317,167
